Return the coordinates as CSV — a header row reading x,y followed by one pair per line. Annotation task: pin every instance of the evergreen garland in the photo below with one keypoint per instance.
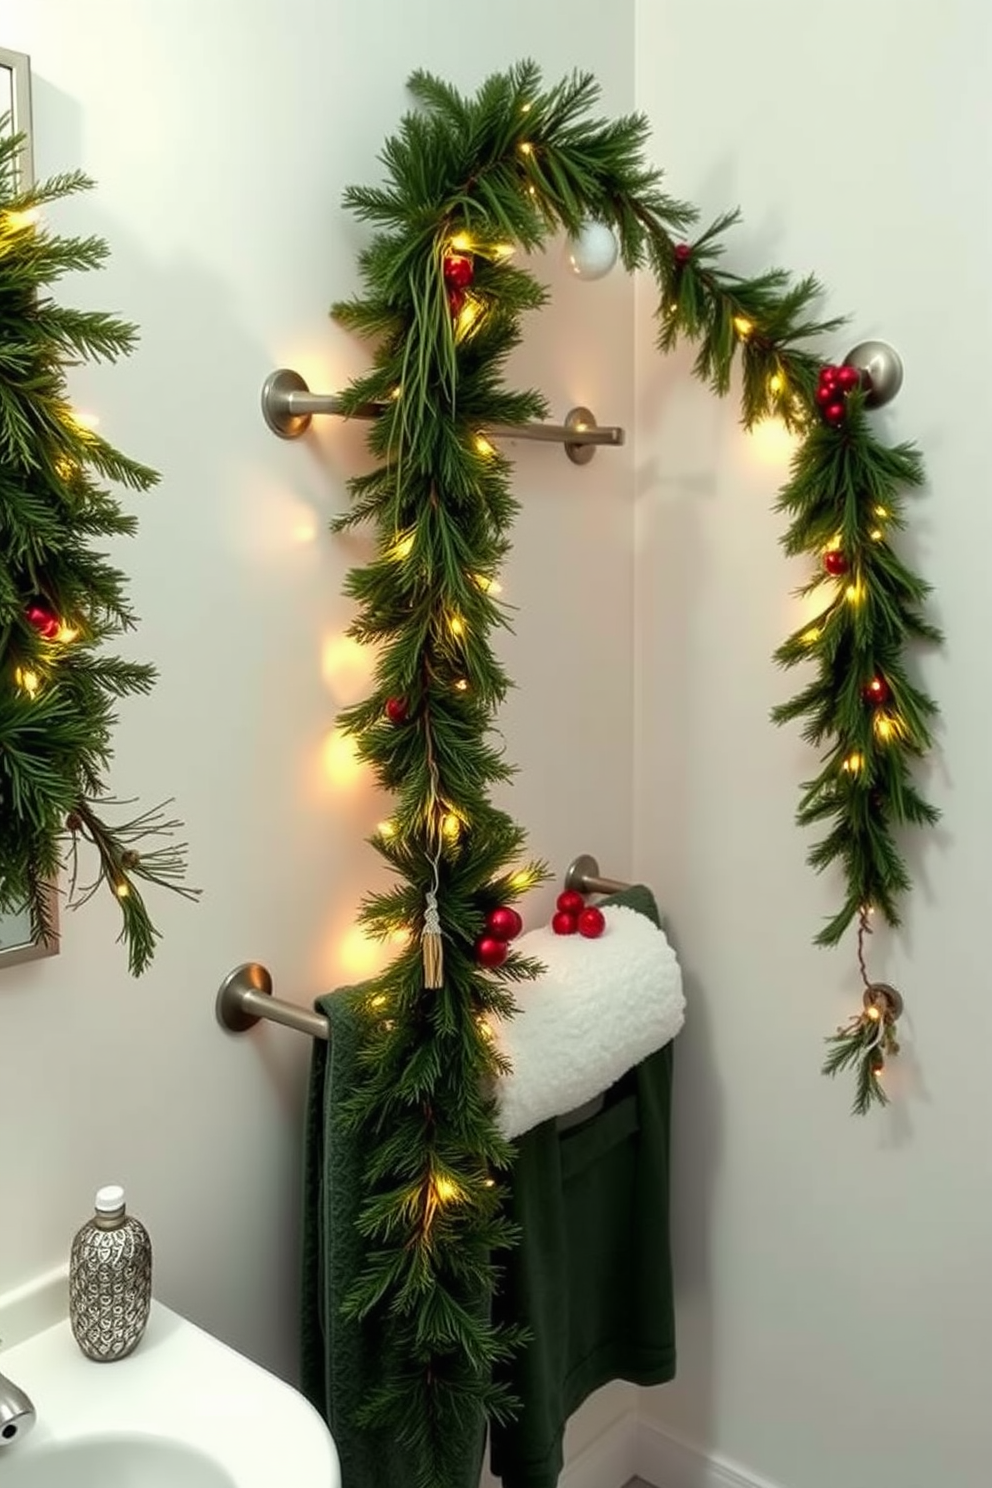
x,y
61,602
473,179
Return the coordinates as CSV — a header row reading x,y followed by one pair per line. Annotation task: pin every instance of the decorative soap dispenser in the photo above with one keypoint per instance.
x,y
110,1280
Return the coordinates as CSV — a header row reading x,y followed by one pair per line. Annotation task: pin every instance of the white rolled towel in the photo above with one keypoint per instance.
x,y
600,1008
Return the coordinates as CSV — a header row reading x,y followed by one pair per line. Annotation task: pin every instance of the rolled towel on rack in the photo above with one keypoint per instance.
x,y
600,1008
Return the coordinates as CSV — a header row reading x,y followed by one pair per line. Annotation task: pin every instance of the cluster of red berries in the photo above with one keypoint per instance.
x,y
574,914
832,389
503,924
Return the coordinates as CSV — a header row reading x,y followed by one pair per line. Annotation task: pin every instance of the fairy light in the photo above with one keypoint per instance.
x,y
402,548
467,316
855,593
743,326
122,889
66,633
854,763
486,584
27,680
444,1190
876,534
461,685
811,636
451,826
526,148
874,1014
456,625
386,829
378,1001
461,243
502,251
489,1182
396,393
776,383
886,728
83,423
19,221
526,878
483,446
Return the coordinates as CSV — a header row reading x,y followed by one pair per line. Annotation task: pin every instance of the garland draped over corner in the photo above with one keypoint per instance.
x,y
60,602
467,182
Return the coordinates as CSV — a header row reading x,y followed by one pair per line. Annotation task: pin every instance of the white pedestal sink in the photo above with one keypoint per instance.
x,y
182,1411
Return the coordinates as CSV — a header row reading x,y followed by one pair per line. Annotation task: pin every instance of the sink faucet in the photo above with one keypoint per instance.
x,y
17,1414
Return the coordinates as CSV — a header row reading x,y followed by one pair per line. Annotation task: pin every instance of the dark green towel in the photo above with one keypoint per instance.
x,y
592,1276
340,1359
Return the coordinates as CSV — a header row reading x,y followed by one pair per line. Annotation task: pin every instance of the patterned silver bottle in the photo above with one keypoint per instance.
x,y
110,1280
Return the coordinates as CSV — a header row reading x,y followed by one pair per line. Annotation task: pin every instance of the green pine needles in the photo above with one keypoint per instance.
x,y
61,602
467,182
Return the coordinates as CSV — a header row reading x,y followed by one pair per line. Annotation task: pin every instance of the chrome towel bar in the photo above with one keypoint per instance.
x,y
288,406
245,995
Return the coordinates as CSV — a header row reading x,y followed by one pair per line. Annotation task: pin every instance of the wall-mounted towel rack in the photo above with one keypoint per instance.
x,y
288,406
245,995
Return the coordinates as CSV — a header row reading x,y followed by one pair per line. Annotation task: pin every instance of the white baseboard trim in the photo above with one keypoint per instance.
x,y
667,1462
609,1461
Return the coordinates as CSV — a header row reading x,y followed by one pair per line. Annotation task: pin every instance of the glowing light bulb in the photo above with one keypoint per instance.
x,y
489,1182
593,252
386,829
396,394
811,636
83,423
378,1001
776,383
456,625
525,108
854,593
461,243
876,534
483,446
402,547
525,879
122,890
467,316
27,680
451,826
885,728
874,1014
881,511
445,1190
854,763
526,148
18,221
502,251
743,326
461,685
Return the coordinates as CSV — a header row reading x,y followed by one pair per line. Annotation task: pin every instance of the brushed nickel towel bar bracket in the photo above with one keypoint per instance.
x,y
288,406
245,995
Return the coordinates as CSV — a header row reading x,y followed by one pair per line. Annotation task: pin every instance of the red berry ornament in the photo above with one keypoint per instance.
x,y
683,253
396,710
504,923
848,378
490,952
877,690
834,413
45,623
458,270
592,922
834,562
564,923
570,902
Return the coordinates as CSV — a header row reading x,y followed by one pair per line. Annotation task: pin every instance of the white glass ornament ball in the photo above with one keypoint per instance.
x,y
593,253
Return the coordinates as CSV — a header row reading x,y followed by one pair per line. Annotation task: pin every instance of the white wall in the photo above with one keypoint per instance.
x,y
222,136
834,1301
